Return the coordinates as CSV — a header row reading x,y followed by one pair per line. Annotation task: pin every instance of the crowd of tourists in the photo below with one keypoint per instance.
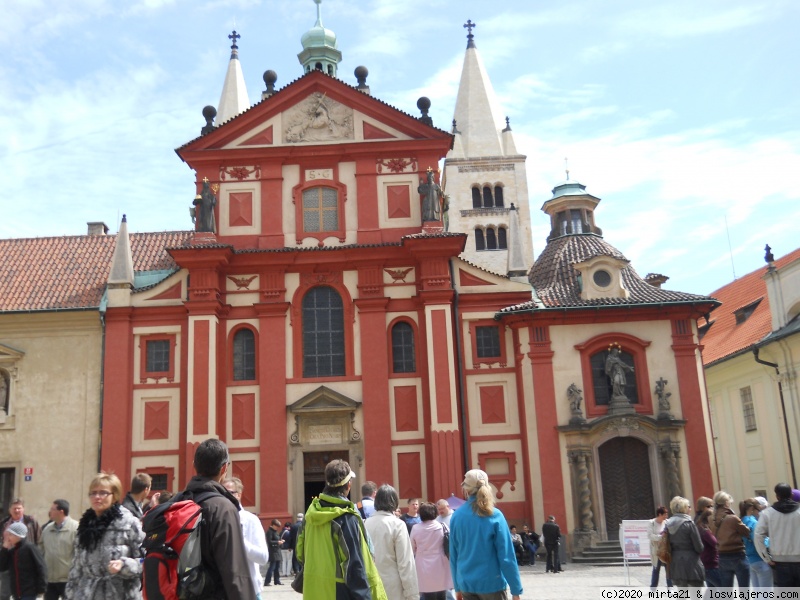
x,y
757,548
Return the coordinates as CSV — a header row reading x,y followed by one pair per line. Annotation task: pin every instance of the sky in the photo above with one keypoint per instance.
x,y
682,116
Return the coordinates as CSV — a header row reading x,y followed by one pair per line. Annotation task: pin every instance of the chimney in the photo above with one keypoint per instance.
x,y
656,279
97,228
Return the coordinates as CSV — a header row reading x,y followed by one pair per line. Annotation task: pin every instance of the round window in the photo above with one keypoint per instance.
x,y
602,278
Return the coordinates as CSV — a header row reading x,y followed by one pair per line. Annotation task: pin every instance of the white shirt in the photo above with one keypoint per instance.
x,y
255,545
446,519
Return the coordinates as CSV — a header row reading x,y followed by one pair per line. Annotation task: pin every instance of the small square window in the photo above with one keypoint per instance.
x,y
159,481
487,341
157,356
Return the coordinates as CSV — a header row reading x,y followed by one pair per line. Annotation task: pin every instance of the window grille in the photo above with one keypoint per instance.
x,y
323,333
487,341
403,351
320,210
244,355
748,410
158,356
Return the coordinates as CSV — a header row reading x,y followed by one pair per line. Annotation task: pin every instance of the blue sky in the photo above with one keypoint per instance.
x,y
681,115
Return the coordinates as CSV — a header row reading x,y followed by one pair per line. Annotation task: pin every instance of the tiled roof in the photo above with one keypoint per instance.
x,y
725,338
70,272
555,279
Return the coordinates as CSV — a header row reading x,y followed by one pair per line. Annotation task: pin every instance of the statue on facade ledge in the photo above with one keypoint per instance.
x,y
575,399
203,210
432,199
663,399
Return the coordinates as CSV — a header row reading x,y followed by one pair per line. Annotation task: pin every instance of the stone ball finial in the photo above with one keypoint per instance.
x,y
270,77
424,103
361,73
209,112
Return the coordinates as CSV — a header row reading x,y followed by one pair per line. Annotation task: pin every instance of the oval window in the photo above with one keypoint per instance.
x,y
602,278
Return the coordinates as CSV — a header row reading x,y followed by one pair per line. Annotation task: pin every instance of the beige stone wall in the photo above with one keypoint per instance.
x,y
54,421
750,461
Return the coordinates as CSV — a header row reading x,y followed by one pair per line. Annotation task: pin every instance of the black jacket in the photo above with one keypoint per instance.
x,y
551,533
222,541
26,570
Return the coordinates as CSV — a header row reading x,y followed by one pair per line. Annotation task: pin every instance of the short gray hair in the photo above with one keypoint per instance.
x,y
679,505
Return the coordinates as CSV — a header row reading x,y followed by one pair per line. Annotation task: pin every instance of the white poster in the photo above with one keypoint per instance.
x,y
634,538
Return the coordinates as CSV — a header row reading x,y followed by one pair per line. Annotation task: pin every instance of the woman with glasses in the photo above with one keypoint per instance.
x,y
108,547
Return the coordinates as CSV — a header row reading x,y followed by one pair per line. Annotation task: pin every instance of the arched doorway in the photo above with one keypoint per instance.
x,y
626,480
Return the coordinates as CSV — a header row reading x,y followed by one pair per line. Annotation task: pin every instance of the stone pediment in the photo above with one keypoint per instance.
x,y
9,354
323,399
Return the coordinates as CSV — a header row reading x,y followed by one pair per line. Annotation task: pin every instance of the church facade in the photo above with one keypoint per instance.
x,y
340,299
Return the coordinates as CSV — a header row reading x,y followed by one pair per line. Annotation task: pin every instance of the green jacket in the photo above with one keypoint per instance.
x,y
334,549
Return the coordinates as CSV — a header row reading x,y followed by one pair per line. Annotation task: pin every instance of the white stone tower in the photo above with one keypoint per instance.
x,y
485,179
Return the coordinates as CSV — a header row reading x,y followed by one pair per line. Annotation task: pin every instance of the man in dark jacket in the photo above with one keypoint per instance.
x,y
16,514
552,537
140,488
222,542
24,563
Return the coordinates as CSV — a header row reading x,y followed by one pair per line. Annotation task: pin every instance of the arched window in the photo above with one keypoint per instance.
x,y
476,198
502,242
498,195
5,392
244,355
491,239
602,381
318,66
330,69
403,351
480,243
488,201
323,333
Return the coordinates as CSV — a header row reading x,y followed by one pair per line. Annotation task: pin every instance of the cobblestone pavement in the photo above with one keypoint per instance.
x,y
577,582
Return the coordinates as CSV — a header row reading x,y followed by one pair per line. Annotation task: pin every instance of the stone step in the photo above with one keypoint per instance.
x,y
602,552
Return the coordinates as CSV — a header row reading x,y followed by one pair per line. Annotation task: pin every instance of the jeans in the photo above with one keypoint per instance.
x,y
432,595
656,573
734,564
787,574
531,553
712,578
274,568
760,575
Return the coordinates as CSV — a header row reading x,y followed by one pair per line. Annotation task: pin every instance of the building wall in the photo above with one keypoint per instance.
x,y
54,421
752,462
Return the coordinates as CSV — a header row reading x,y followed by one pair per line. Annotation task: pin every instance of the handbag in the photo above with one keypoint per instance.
x,y
297,582
664,550
446,540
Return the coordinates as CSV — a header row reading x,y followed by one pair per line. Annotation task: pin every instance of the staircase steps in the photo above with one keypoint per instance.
x,y
605,554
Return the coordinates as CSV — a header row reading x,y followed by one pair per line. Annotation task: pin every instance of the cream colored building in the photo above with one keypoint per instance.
x,y
755,407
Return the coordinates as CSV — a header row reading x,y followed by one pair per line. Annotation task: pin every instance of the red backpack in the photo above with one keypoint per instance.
x,y
172,568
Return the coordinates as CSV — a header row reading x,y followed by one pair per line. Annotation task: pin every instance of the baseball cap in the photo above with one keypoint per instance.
x,y
18,529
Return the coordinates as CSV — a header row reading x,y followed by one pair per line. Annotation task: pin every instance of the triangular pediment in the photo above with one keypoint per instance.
x,y
323,399
314,110
9,354
471,279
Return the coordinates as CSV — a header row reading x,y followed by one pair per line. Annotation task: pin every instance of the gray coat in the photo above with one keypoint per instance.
x,y
89,578
686,546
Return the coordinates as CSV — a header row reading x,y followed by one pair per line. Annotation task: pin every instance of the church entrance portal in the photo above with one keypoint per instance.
x,y
627,484
314,472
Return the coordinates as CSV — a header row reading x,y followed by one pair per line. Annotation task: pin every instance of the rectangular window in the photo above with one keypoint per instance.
x,y
487,341
157,356
320,210
747,409
159,481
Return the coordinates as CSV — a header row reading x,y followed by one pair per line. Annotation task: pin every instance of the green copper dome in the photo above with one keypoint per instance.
x,y
319,47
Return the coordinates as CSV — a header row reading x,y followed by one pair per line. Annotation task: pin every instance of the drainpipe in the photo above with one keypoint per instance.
x,y
460,369
783,408
102,387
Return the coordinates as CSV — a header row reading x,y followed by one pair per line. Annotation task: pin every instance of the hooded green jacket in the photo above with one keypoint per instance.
x,y
335,551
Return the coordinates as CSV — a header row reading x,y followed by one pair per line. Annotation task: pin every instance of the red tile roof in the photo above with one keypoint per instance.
x,y
725,338
70,272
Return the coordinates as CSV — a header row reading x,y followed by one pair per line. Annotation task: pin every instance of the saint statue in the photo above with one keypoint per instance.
x,y
204,205
615,369
432,199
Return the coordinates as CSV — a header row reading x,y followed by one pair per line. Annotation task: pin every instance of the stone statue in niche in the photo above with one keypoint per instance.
x,y
615,369
575,399
431,199
318,119
663,399
203,211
